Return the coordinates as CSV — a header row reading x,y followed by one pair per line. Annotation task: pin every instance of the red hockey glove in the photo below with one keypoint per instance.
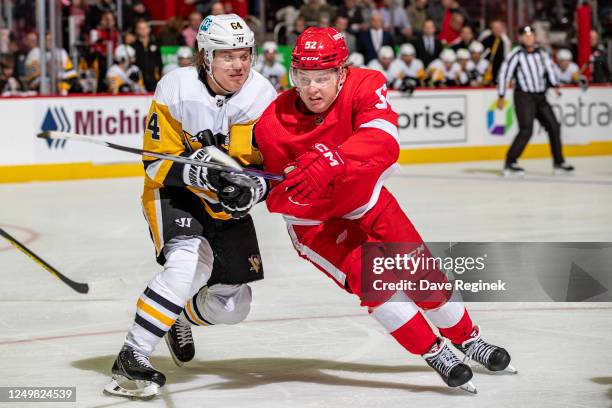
x,y
314,171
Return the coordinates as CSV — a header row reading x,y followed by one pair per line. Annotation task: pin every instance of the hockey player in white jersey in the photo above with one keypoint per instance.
x,y
383,62
270,68
198,218
566,69
463,60
124,76
184,58
407,68
477,65
444,70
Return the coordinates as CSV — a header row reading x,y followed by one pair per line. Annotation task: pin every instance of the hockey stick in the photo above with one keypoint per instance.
x,y
163,156
79,287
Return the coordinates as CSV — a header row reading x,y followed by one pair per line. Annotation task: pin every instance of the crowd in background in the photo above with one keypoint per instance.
x,y
413,42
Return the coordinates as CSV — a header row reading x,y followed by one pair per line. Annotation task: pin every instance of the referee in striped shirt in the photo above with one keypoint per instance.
x,y
531,68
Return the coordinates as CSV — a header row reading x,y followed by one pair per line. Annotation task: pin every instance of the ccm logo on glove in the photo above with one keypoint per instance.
x,y
328,154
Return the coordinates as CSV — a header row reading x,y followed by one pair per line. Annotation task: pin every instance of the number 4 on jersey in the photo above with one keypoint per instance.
x,y
153,127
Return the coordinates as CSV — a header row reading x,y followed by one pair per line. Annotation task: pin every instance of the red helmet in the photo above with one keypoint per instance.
x,y
319,48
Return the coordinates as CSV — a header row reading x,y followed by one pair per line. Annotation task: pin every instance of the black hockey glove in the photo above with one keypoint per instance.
x,y
237,193
135,76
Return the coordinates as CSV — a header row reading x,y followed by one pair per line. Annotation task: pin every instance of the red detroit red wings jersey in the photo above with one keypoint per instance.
x,y
360,123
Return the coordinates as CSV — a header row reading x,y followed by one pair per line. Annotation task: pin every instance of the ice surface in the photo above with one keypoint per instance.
x,y
306,343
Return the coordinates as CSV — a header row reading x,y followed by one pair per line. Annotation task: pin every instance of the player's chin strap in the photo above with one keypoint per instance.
x,y
212,76
343,70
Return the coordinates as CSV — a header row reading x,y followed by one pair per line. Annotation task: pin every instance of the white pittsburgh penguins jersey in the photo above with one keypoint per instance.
x,y
400,70
480,67
276,74
377,66
414,70
125,81
570,75
183,110
438,72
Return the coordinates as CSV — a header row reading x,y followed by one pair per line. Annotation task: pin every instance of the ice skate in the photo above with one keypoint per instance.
x,y
513,170
492,357
134,376
453,372
180,342
563,169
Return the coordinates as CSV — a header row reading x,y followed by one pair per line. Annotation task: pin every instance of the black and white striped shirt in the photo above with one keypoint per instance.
x,y
532,71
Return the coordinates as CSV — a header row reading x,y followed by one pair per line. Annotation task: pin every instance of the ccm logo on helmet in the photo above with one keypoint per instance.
x,y
309,59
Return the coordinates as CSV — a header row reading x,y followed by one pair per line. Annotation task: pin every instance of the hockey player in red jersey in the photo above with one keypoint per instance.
x,y
335,137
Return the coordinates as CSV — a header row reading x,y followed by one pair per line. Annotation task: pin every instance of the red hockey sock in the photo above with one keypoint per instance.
x,y
415,335
461,331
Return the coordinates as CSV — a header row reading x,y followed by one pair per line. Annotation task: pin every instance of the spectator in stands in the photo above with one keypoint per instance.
x,y
239,7
341,24
313,9
436,10
395,21
382,64
102,40
407,70
148,55
324,21
353,12
217,8
202,6
96,12
171,33
368,7
124,76
184,58
600,72
66,75
105,32
417,14
466,37
298,27
270,68
478,65
451,27
497,46
78,10
444,71
427,46
137,11
190,32
567,70
356,60
370,41
29,42
9,84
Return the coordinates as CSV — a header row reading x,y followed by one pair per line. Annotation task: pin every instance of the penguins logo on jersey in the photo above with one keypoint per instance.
x,y
255,262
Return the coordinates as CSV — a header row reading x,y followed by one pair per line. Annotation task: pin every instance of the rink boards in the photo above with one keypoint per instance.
x,y
440,125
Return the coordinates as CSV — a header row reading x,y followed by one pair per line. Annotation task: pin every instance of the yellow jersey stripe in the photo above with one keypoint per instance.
x,y
154,313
